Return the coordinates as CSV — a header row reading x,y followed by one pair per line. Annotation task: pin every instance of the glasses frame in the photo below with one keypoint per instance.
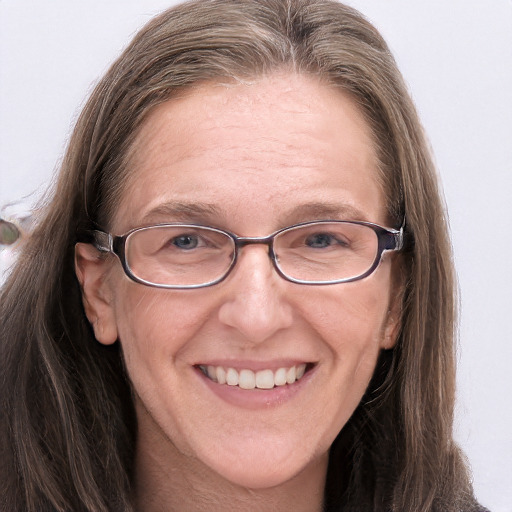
x,y
389,240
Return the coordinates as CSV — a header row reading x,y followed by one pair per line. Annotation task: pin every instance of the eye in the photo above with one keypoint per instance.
x,y
186,242
322,240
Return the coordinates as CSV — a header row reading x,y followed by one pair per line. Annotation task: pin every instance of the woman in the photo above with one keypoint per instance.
x,y
241,294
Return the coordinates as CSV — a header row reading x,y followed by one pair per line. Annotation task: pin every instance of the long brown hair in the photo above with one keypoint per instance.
x,y
68,425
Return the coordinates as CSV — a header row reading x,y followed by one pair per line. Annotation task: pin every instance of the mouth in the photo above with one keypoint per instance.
x,y
248,379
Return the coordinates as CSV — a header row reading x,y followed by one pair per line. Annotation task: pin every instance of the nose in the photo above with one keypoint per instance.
x,y
255,303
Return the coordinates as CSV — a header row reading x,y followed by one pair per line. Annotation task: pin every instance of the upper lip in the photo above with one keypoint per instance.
x,y
255,366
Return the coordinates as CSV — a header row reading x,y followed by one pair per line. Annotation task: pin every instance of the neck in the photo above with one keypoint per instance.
x,y
166,480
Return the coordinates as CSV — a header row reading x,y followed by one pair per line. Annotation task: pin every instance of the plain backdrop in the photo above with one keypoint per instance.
x,y
456,56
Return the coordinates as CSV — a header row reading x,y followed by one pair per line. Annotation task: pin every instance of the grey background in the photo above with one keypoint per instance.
x,y
456,57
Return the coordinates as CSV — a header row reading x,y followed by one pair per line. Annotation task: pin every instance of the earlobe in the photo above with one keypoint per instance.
x,y
391,331
91,271
394,317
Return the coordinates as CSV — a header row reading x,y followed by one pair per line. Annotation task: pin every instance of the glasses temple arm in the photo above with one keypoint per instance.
x,y
400,237
102,241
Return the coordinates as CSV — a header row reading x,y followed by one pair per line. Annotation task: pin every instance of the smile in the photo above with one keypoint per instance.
x,y
248,379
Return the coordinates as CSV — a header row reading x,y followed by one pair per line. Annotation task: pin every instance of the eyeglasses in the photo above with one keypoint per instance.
x,y
182,256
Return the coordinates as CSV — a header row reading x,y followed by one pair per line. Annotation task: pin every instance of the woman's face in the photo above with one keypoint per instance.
x,y
250,159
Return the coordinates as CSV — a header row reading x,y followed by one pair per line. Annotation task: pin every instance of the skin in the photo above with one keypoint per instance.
x,y
261,154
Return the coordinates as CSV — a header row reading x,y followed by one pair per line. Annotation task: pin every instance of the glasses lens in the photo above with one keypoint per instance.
x,y
326,251
179,255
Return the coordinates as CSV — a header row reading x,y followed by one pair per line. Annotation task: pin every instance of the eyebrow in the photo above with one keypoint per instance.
x,y
178,211
325,211
205,212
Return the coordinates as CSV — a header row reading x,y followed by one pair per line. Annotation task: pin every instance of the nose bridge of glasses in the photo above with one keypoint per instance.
x,y
242,241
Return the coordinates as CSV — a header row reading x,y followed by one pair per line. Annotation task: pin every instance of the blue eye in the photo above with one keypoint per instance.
x,y
186,242
320,241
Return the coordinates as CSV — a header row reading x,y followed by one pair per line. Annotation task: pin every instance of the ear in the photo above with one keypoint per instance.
x,y
393,323
91,270
391,330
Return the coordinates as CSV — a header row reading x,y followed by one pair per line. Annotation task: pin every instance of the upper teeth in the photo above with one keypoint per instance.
x,y
247,379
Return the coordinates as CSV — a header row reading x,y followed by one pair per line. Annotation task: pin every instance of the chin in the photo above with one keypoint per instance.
x,y
256,476
264,467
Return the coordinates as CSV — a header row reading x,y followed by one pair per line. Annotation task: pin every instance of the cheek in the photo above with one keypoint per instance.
x,y
352,315
154,325
351,321
348,321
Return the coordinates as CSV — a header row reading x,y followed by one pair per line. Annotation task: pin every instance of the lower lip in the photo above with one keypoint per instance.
x,y
256,398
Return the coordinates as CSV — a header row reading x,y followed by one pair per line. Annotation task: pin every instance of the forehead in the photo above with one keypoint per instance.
x,y
276,143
